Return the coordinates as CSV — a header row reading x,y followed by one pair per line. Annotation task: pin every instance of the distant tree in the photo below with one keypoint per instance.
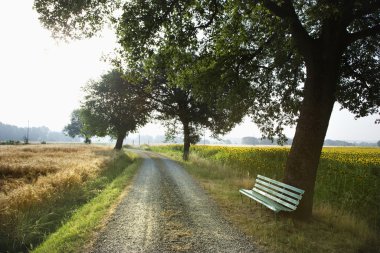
x,y
114,106
250,140
10,132
337,143
378,143
227,142
77,128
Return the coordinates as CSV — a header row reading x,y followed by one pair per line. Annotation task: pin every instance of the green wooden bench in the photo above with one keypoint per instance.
x,y
275,195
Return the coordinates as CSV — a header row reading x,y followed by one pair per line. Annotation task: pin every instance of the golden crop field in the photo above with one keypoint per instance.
x,y
41,185
30,174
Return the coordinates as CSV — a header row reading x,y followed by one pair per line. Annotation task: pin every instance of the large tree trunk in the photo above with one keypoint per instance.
x,y
119,141
186,141
319,97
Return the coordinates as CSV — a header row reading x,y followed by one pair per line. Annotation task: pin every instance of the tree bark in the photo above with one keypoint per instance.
x,y
119,141
319,98
87,140
186,141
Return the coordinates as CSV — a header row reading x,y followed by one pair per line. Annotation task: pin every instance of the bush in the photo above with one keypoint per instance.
x,y
10,142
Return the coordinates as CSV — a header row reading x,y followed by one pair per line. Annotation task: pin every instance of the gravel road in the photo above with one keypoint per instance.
x,y
166,211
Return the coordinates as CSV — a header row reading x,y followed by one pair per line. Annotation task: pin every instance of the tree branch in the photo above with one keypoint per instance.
x,y
212,18
288,14
167,12
162,102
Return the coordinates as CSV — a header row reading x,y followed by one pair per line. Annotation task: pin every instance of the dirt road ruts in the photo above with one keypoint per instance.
x,y
166,211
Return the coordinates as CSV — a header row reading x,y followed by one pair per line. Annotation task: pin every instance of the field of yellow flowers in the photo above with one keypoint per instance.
x,y
348,177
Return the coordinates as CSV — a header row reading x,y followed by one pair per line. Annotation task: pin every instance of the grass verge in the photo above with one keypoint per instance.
x,y
331,229
78,230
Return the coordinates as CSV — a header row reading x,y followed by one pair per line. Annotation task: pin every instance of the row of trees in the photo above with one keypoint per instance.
x,y
281,62
121,101
13,133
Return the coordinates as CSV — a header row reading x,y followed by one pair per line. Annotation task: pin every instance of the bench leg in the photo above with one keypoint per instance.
x,y
275,234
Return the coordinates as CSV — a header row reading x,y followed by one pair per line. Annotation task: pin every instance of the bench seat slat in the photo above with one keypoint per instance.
x,y
276,194
282,184
275,199
271,202
297,196
265,201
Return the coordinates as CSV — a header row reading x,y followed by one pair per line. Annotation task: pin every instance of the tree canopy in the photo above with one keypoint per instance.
x,y
258,38
267,44
76,127
112,106
75,18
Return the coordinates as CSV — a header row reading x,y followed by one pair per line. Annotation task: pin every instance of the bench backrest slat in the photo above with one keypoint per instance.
x,y
278,200
277,194
282,184
286,195
294,195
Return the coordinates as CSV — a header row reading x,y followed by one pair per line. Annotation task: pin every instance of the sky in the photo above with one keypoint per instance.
x,y
41,79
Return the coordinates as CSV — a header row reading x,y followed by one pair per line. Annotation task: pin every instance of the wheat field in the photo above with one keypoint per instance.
x,y
30,174
41,185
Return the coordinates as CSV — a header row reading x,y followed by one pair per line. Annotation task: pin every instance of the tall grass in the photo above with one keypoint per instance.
x,y
77,233
41,186
347,200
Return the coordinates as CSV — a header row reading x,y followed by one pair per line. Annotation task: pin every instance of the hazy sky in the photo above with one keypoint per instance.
x,y
41,79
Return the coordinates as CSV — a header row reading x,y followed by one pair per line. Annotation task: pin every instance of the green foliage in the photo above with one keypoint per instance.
x,y
260,48
171,88
226,67
74,19
77,127
256,47
114,106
